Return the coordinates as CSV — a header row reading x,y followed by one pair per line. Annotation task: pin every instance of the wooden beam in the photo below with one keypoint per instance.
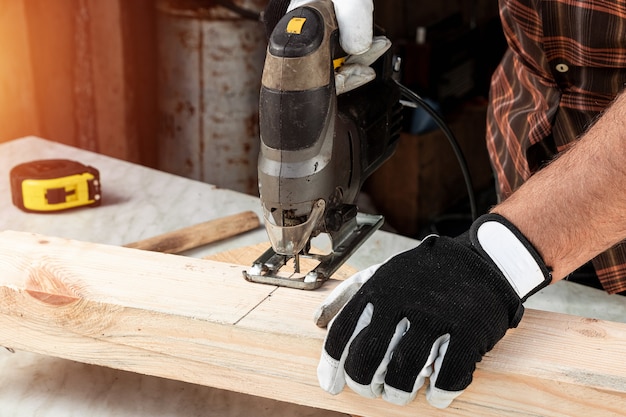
x,y
199,321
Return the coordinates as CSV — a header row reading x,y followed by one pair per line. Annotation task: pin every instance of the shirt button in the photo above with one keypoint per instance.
x,y
562,68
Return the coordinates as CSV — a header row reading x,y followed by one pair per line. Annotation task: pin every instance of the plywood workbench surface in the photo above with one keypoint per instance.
x,y
199,321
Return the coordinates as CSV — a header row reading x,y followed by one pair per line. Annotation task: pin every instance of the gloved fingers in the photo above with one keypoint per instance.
x,y
399,373
356,24
380,45
357,71
372,350
452,373
376,385
402,383
351,76
341,294
330,370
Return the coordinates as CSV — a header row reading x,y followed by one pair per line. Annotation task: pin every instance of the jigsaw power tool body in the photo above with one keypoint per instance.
x,y
317,148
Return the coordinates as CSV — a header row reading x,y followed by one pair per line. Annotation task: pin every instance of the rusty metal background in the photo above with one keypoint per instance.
x,y
210,66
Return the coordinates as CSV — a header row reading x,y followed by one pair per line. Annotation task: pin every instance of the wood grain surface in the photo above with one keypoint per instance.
x,y
199,321
180,240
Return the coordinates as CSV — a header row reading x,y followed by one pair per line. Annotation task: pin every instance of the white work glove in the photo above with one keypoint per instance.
x,y
428,313
355,21
356,71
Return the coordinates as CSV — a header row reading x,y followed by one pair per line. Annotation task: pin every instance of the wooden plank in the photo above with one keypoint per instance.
x,y
199,321
199,234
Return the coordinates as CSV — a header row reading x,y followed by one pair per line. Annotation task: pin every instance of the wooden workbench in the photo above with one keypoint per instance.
x,y
182,318
199,321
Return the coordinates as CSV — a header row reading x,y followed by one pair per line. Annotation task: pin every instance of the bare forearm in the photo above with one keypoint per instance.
x,y
575,208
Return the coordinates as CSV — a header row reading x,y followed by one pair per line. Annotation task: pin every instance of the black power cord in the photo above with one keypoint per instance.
x,y
278,10
418,101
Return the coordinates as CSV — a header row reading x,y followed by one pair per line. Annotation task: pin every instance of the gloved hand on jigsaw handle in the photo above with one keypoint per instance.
x,y
356,36
431,312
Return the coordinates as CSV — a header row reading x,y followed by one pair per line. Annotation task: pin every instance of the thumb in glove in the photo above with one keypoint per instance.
x,y
340,295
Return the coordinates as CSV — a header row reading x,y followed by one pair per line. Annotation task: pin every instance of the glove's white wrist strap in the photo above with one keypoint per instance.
x,y
512,256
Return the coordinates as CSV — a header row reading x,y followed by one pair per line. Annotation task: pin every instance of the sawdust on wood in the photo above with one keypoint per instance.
x,y
248,254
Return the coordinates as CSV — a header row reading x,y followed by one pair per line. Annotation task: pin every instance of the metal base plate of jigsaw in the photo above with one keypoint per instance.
x,y
266,269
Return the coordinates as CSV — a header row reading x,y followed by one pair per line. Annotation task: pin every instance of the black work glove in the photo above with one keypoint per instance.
x,y
431,312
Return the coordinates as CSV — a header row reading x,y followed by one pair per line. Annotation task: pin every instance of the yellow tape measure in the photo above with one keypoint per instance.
x,y
51,185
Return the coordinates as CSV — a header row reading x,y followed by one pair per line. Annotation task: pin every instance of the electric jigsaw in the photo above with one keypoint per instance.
x,y
317,148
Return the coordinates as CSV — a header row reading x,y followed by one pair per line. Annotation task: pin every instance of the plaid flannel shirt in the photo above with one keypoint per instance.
x,y
565,63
